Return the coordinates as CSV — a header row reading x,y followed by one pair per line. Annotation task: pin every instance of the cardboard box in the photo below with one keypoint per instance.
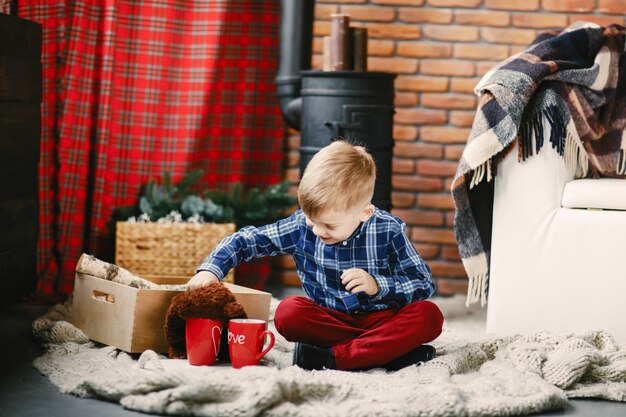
x,y
132,319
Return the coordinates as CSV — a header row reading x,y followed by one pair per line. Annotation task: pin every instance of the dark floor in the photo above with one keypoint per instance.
x,y
24,392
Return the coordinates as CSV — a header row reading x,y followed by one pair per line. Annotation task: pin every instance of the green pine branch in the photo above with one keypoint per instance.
x,y
252,207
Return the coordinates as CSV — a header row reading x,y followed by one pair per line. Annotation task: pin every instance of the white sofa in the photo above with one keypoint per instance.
x,y
558,252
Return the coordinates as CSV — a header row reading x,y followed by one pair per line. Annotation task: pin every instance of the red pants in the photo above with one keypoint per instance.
x,y
359,341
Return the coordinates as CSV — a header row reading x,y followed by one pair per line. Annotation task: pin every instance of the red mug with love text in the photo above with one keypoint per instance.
x,y
245,341
203,338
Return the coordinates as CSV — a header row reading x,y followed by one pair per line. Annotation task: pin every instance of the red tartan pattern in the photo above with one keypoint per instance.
x,y
136,88
7,6
52,18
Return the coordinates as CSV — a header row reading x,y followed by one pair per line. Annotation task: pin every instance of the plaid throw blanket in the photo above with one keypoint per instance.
x,y
574,80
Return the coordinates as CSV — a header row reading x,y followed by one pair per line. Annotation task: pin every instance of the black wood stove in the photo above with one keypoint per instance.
x,y
326,105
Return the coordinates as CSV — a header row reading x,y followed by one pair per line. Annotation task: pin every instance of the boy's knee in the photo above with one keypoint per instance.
x,y
286,315
431,316
435,317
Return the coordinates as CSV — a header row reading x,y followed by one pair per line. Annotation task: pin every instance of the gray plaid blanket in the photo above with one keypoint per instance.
x,y
574,80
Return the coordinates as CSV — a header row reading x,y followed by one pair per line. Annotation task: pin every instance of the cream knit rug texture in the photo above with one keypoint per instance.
x,y
472,375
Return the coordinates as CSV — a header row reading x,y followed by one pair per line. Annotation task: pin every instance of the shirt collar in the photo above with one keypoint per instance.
x,y
361,227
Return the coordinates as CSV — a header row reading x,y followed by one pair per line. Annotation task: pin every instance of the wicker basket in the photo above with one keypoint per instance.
x,y
174,249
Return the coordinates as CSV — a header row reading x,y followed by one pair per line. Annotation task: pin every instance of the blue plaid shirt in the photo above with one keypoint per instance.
x,y
379,246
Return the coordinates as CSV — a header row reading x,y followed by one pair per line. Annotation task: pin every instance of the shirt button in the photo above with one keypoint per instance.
x,y
345,243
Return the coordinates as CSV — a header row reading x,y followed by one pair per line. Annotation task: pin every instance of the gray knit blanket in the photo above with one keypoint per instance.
x,y
575,81
472,375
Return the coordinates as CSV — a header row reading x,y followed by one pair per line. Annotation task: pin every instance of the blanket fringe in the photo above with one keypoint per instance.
x,y
481,172
477,290
477,267
532,127
576,157
621,162
564,140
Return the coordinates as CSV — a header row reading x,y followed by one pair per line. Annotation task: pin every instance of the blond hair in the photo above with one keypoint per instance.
x,y
340,176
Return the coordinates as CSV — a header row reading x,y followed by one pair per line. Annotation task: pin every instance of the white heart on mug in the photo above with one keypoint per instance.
x,y
216,343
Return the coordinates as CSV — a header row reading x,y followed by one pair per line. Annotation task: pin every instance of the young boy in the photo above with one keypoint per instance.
x,y
364,280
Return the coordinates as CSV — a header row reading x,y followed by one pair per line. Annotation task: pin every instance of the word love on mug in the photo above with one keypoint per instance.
x,y
245,341
236,338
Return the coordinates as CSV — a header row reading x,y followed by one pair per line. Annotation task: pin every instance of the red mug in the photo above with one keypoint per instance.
x,y
245,341
203,338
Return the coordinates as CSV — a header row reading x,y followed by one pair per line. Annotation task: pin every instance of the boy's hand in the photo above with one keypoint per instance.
x,y
357,280
202,279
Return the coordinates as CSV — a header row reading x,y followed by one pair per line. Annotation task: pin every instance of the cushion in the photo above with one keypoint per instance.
x,y
602,193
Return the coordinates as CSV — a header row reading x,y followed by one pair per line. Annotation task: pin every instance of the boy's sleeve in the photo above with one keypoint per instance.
x,y
252,242
411,278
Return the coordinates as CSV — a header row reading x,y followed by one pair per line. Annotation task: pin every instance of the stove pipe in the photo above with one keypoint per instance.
x,y
327,105
296,47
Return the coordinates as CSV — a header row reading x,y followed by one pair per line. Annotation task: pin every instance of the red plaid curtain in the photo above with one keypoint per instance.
x,y
135,88
7,6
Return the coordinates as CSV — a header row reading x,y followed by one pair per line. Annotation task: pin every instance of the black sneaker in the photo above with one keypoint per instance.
x,y
420,354
312,357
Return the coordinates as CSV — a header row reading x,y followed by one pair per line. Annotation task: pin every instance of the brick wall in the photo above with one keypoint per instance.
x,y
439,49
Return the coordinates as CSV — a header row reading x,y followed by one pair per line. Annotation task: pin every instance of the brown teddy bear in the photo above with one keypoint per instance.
x,y
214,301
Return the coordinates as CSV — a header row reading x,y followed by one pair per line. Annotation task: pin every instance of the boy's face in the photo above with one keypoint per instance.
x,y
333,226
